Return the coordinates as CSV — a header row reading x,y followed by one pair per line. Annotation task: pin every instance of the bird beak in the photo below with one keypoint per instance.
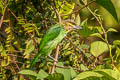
x,y
77,27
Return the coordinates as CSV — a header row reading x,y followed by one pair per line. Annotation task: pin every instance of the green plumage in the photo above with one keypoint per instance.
x,y
49,41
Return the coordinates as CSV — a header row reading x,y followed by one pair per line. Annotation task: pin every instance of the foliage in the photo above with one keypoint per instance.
x,y
31,30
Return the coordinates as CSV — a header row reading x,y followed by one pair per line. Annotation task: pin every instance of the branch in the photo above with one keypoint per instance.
x,y
1,21
2,18
80,8
57,13
104,32
56,58
57,49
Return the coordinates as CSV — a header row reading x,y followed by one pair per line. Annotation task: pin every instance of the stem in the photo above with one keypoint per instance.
x,y
80,8
2,18
56,58
57,49
1,21
104,32
57,13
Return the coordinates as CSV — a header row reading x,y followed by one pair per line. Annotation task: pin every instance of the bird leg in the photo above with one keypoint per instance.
x,y
52,58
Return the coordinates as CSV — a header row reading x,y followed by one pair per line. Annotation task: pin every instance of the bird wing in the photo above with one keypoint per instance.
x,y
48,47
49,41
51,34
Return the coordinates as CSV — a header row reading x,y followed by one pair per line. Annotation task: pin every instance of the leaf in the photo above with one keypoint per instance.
x,y
83,67
55,76
66,8
117,53
68,73
97,35
98,47
85,32
1,47
116,42
101,74
28,72
86,74
42,74
112,30
118,67
6,20
5,61
1,7
77,20
29,49
109,74
108,5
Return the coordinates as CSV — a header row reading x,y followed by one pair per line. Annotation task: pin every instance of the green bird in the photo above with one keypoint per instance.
x,y
50,40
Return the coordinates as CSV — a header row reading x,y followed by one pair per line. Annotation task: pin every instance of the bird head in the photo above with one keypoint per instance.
x,y
70,25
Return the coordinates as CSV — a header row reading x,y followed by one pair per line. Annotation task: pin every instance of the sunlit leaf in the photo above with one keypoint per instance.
x,y
29,48
101,74
86,74
42,74
28,72
55,76
68,73
109,74
98,47
97,35
112,30
108,5
77,20
116,42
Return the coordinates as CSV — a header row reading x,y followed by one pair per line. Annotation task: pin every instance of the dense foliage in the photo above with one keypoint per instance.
x,y
42,27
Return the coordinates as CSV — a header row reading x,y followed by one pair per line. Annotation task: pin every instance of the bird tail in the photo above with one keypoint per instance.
x,y
34,60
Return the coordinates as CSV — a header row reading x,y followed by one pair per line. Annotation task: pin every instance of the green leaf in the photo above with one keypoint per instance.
x,y
101,74
66,8
108,5
28,72
55,76
109,74
116,42
77,20
97,35
29,48
98,47
86,74
68,73
117,53
1,47
83,67
112,30
85,32
1,7
42,74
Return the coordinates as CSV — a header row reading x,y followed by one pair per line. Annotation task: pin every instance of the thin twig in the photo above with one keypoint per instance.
x,y
14,61
65,67
57,13
56,58
1,21
104,32
13,14
15,55
57,49
30,35
2,18
80,8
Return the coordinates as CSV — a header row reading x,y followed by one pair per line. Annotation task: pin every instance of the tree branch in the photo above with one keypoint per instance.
x,y
2,18
56,58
